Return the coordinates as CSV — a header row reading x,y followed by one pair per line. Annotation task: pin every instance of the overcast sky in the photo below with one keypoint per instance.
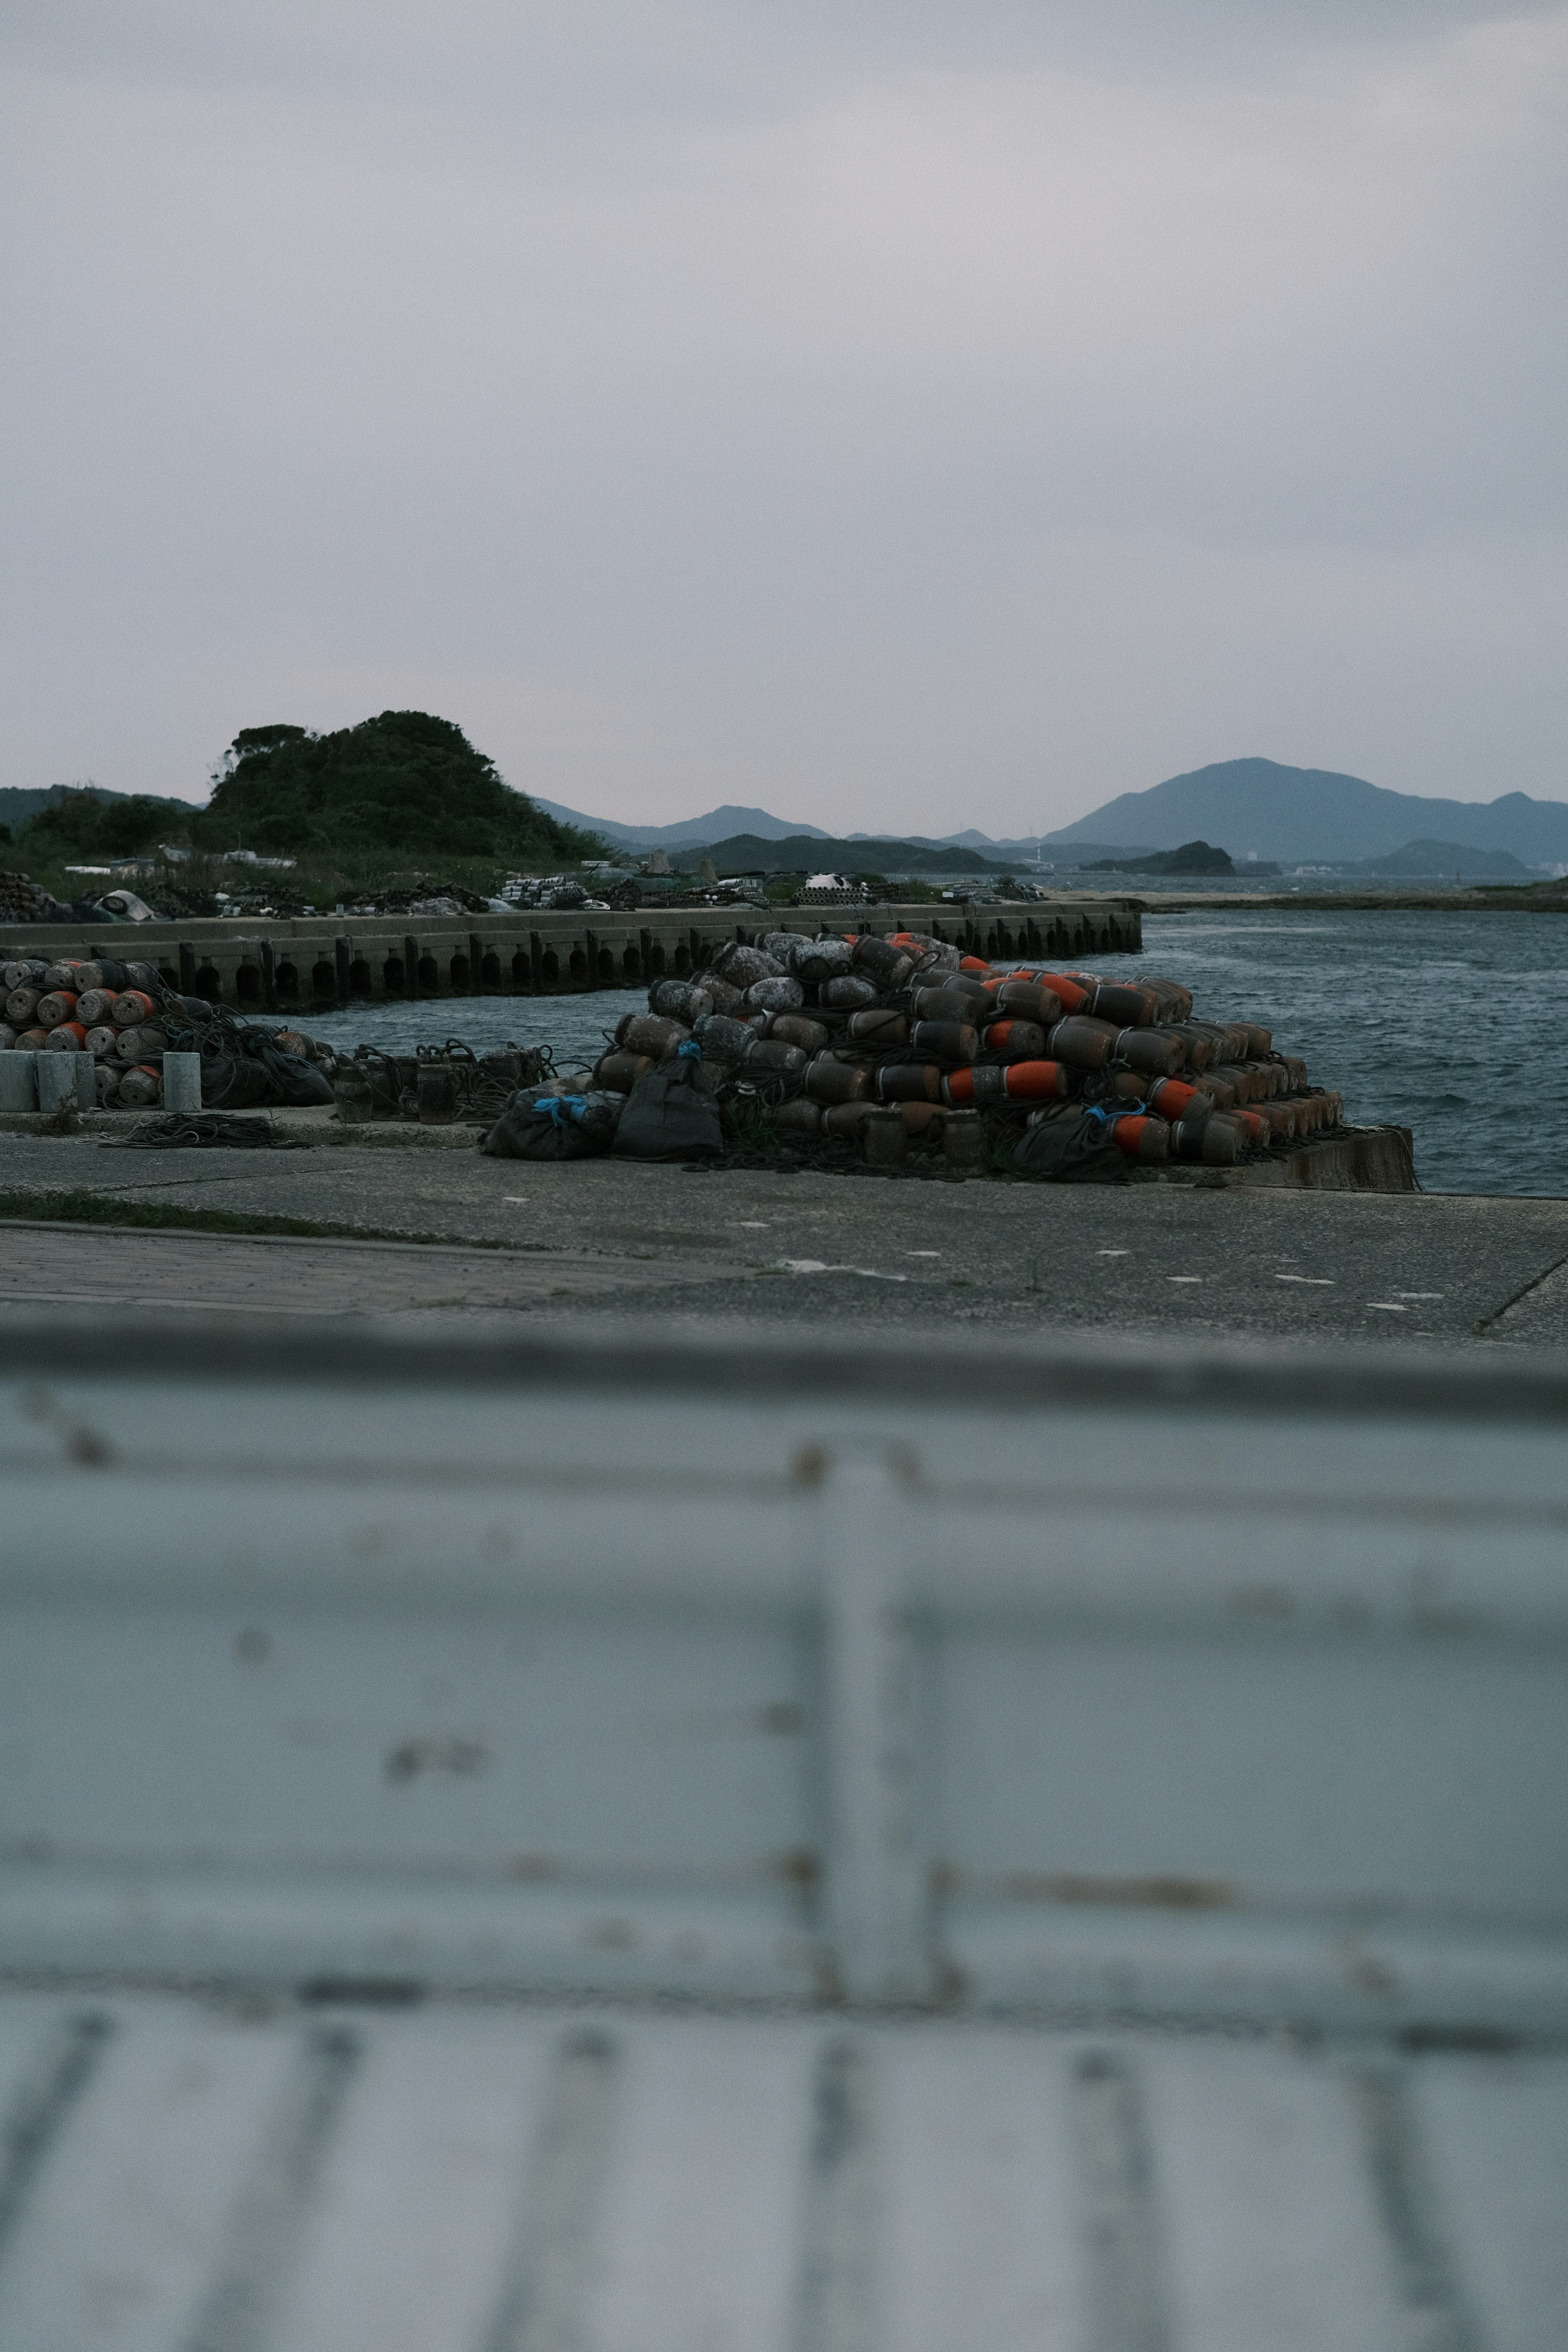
x,y
898,415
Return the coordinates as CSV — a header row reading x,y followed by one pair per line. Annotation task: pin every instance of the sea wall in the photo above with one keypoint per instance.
x,y
280,964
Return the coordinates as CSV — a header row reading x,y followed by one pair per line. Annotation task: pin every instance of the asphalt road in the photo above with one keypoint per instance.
x,y
603,1237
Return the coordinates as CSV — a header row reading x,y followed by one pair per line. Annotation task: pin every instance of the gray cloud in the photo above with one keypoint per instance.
x,y
888,416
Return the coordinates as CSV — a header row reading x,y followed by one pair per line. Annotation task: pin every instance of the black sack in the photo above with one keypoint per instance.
x,y
233,1082
1072,1147
671,1113
553,1127
291,1081
247,1070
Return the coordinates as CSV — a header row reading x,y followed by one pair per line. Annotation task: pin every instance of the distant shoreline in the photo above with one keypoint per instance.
x,y
1494,899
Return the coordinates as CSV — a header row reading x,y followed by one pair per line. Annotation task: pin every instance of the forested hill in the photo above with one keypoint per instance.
x,y
405,781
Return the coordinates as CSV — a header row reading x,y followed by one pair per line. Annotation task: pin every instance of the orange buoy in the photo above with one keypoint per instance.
x,y
1173,1098
1142,1136
1072,995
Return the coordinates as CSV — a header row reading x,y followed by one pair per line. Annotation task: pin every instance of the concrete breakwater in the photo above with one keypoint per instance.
x,y
288,963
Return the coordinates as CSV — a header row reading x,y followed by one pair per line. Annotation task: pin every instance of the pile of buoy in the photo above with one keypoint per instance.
x,y
103,1008
892,1044
23,900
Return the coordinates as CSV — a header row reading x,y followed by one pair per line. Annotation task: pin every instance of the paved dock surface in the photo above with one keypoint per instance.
x,y
605,1237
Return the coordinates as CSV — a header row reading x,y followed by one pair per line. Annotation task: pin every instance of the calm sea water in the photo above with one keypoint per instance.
x,y
1449,1025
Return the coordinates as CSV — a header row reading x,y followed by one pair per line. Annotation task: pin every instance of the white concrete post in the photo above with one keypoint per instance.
x,y
66,1079
18,1081
182,1082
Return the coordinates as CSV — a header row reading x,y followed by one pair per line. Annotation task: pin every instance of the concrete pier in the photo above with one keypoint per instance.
x,y
324,961
514,1239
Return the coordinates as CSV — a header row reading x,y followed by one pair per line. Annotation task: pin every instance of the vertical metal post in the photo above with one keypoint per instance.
x,y
410,968
875,1892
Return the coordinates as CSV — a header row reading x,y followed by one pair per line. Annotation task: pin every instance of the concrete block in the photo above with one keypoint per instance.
x,y
66,1079
182,1082
18,1081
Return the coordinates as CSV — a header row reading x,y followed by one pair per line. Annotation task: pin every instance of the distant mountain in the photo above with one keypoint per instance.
x,y
799,852
970,839
724,824
718,825
19,802
1312,815
1445,857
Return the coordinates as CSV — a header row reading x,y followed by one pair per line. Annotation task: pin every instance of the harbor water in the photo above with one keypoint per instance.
x,y
1450,1024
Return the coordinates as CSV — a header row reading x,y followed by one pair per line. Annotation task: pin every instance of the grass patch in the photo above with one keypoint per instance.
x,y
86,1208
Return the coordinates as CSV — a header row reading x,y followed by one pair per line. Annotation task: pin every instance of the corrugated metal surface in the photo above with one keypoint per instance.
x,y
1060,1849
465,2181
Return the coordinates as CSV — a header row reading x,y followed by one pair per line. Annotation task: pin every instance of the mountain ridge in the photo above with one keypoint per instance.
x,y
1262,807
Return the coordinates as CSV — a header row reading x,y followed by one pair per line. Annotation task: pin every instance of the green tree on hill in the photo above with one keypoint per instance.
x,y
405,781
85,824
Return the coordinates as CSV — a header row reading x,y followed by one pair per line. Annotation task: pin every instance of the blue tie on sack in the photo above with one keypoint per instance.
x,y
559,1107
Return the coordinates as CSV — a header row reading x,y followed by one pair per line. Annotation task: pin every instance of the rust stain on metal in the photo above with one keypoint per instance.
x,y
798,1866
611,1935
1159,1893
443,1758
78,1440
532,1869
1269,1600
809,1468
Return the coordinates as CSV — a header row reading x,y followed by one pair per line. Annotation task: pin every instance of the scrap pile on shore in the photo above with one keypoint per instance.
x,y
23,900
901,1050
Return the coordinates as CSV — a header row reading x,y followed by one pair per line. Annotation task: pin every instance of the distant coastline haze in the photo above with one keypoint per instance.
x,y
898,421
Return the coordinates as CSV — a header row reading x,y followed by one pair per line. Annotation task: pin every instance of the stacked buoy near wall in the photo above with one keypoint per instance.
x,y
904,1046
106,1010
